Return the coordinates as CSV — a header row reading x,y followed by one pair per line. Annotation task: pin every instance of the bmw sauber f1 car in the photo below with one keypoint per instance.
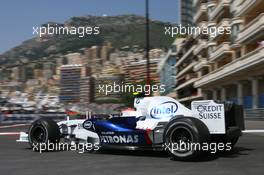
x,y
157,121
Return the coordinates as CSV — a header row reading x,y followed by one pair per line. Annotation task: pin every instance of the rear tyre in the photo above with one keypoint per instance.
x,y
42,132
181,134
234,141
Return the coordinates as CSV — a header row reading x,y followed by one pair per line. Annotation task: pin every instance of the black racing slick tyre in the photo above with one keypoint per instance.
x,y
42,132
182,137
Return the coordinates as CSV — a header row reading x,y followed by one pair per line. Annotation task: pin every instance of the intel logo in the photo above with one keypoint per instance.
x,y
164,110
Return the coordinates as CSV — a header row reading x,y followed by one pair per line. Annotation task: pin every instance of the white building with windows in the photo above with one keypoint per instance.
x,y
227,66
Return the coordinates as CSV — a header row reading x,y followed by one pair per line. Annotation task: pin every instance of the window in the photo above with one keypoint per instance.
x,y
238,54
235,30
210,49
172,61
173,48
210,9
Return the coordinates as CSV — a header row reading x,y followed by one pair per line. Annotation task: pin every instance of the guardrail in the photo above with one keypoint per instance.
x,y
27,118
254,113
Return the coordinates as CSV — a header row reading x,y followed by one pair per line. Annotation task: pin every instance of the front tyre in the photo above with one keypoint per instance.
x,y
42,132
182,137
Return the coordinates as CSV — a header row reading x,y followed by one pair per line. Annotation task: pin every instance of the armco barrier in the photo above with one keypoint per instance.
x,y
27,118
254,113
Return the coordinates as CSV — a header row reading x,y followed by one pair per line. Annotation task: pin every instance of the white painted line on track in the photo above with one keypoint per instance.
x,y
254,131
13,126
9,133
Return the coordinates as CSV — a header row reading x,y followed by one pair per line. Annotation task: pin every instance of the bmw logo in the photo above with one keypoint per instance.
x,y
87,124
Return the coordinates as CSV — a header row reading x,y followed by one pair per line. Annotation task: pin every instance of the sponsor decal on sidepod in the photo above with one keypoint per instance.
x,y
120,139
164,109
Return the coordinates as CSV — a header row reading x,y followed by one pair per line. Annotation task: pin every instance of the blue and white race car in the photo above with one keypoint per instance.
x,y
158,123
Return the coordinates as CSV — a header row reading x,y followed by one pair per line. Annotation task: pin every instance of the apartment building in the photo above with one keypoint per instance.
x,y
134,66
167,69
70,82
136,72
49,69
227,66
92,58
106,50
74,58
186,12
86,90
113,95
186,75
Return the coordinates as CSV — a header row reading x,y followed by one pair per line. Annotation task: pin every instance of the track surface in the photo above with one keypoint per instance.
x,y
18,159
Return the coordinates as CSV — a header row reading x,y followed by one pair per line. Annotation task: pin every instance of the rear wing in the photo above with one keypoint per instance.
x,y
219,116
234,115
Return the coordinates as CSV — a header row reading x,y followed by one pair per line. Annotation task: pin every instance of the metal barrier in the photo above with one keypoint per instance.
x,y
28,118
254,113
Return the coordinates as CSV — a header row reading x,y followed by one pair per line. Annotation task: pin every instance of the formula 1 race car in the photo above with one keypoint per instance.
x,y
158,123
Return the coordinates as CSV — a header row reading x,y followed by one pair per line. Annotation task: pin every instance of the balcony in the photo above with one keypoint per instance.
x,y
201,13
220,51
200,64
186,55
186,69
211,25
250,61
210,6
252,29
191,95
191,98
240,9
187,83
219,9
200,46
224,23
198,33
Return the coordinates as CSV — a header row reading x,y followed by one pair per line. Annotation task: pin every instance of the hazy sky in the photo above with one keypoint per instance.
x,y
17,17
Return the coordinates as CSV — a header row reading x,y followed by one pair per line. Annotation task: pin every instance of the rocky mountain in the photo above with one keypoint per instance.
x,y
119,30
